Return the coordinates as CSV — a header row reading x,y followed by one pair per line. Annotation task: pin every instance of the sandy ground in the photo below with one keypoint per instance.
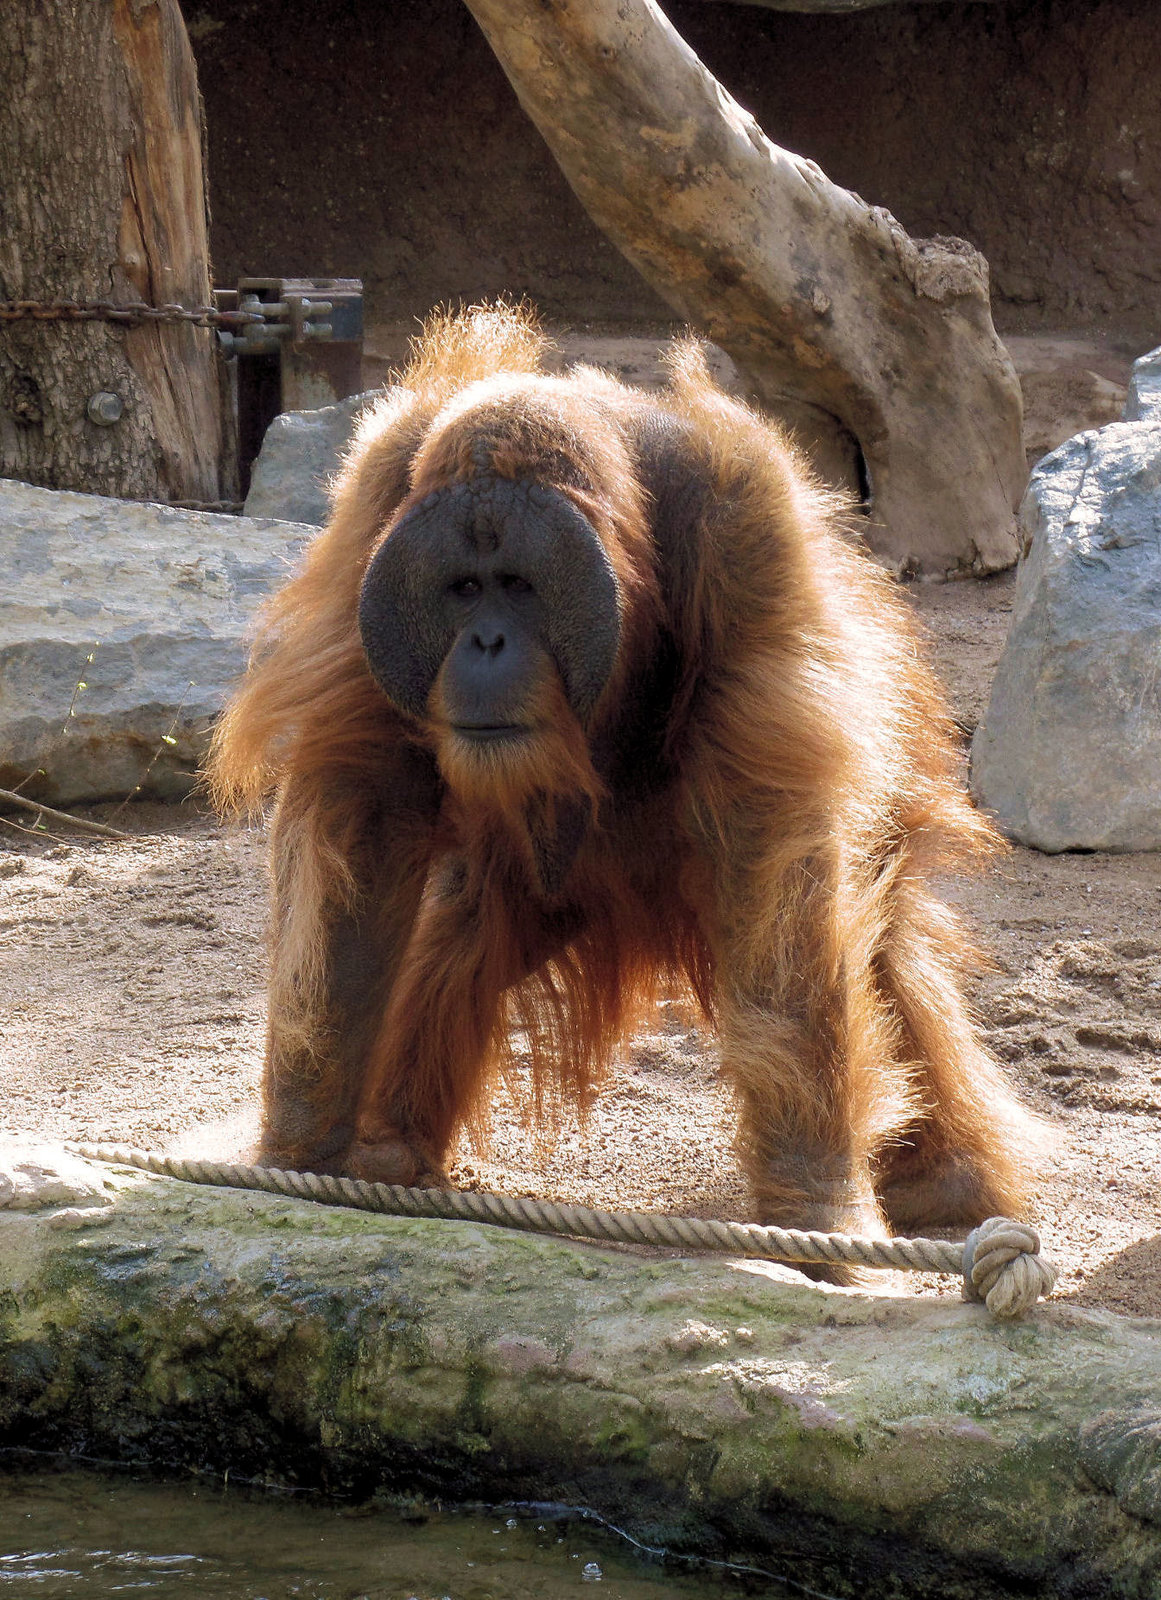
x,y
131,1008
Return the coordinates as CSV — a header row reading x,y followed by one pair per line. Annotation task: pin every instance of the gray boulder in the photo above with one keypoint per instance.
x,y
1144,399
301,451
1068,754
122,627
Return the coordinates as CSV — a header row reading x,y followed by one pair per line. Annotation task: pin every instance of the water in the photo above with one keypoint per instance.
x,y
72,1536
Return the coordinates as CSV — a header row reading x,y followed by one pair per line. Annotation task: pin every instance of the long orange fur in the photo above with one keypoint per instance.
x,y
782,877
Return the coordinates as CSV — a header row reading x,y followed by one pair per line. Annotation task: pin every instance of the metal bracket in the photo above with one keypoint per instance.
x,y
306,352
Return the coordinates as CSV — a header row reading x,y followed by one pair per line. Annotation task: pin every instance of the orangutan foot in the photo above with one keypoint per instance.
x,y
394,1161
942,1190
830,1208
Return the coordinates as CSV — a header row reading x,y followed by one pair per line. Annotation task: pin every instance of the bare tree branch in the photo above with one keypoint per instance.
x,y
832,310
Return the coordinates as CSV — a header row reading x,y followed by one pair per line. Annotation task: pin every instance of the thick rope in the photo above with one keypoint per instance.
x,y
1001,1262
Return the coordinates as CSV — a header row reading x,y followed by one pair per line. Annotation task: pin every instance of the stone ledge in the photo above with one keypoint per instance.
x,y
715,1405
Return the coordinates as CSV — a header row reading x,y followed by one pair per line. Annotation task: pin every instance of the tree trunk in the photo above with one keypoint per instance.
x,y
102,198
837,316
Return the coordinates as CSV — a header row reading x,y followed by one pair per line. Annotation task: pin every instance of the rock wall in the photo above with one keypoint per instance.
x,y
384,141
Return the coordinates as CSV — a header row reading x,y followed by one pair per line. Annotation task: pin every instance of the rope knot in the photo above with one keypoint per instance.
x,y
1003,1267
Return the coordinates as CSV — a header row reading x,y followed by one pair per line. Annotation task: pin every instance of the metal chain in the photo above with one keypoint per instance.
x,y
133,311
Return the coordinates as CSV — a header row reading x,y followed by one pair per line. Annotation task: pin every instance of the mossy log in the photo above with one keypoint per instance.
x,y
909,1446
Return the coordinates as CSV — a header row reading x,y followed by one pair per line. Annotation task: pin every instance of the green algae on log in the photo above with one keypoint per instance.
x,y
902,1446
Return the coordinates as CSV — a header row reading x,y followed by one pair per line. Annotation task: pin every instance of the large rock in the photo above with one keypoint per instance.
x,y
1144,399
1068,755
874,1445
122,627
301,451
1059,404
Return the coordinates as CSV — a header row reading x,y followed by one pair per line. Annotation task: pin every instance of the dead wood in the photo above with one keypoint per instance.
x,y
846,326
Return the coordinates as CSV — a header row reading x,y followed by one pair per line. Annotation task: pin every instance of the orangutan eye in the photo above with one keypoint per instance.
x,y
511,583
465,588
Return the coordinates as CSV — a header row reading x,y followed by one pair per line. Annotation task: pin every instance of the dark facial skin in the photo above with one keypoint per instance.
x,y
502,579
497,651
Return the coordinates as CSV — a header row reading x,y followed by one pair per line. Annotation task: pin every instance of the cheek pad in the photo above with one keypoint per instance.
x,y
406,631
555,548
404,628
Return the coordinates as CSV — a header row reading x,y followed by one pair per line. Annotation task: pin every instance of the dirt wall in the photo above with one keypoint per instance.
x,y
383,141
